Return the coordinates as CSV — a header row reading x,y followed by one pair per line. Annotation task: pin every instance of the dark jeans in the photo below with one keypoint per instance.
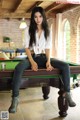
x,y
41,61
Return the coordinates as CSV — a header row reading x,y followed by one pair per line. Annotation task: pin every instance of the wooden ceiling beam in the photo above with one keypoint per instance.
x,y
15,15
36,4
21,15
41,0
66,8
23,8
51,7
50,15
17,3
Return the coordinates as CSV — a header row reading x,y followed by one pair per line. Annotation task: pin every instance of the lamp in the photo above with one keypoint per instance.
x,y
23,24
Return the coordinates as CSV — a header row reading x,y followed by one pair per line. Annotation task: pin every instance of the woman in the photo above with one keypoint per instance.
x,y
37,46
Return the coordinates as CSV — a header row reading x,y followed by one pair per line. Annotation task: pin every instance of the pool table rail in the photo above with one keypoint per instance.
x,y
39,73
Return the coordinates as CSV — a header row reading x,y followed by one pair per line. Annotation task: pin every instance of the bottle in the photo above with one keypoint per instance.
x,y
3,66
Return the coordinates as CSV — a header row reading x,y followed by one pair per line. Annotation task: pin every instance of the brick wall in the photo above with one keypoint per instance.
x,y
10,28
73,17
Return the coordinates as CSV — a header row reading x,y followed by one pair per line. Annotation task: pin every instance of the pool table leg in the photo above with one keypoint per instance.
x,y
46,91
62,102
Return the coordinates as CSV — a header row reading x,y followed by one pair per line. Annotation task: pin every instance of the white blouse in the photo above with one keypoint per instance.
x,y
41,42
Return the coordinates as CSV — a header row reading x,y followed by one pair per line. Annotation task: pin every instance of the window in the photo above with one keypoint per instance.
x,y
66,40
78,41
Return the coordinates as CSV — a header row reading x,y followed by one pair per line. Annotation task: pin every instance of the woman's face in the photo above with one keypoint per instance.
x,y
38,18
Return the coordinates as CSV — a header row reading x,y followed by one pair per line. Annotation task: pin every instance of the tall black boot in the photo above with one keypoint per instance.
x,y
69,99
14,104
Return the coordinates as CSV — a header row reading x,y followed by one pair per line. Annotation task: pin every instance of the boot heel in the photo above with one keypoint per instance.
x,y
69,99
14,104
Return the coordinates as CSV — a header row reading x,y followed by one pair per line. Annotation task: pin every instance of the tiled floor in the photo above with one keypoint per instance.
x,y
33,107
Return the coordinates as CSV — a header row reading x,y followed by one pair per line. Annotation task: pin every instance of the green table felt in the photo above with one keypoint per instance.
x,y
10,64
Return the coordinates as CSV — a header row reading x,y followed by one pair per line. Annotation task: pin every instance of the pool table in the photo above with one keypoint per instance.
x,y
42,78
11,64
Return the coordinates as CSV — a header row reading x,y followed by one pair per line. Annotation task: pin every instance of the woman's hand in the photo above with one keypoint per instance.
x,y
48,66
34,66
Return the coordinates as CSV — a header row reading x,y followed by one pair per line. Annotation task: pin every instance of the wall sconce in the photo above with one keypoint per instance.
x,y
23,24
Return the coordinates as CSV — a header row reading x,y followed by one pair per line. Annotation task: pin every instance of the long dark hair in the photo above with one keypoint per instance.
x,y
33,25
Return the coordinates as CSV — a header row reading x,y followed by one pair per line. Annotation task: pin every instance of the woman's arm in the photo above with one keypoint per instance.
x,y
28,52
48,64
47,52
34,65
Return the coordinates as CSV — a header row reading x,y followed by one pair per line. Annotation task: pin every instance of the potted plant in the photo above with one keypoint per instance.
x,y
6,39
